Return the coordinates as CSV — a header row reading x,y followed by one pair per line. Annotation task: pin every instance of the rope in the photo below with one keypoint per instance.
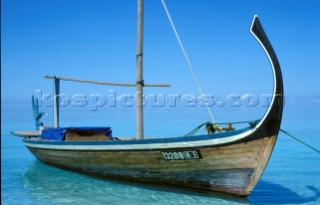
x,y
195,130
185,55
285,132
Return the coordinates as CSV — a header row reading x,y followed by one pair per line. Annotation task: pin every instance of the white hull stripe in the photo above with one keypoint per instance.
x,y
167,145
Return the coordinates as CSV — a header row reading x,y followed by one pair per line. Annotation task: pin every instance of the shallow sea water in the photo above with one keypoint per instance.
x,y
291,177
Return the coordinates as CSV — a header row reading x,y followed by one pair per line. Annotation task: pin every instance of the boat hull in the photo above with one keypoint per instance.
x,y
233,168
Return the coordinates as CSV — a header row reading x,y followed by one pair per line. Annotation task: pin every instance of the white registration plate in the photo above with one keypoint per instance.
x,y
181,155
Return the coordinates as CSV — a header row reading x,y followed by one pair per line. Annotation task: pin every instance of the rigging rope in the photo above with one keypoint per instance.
x,y
285,132
195,130
252,123
185,55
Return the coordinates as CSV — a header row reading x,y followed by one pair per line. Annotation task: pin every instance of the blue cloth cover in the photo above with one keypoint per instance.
x,y
60,133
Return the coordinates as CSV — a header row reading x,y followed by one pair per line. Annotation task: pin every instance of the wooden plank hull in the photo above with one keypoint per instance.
x,y
233,169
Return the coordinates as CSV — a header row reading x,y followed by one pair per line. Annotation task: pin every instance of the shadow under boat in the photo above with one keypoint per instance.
x,y
264,193
70,180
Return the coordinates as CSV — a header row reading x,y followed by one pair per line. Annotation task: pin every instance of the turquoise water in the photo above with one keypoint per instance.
x,y
292,175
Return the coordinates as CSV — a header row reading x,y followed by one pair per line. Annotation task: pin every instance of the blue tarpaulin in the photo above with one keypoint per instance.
x,y
60,133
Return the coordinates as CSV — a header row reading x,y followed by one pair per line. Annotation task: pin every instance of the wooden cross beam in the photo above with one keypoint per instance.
x,y
106,83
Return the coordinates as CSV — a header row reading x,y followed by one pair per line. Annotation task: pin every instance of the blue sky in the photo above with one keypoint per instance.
x,y
96,40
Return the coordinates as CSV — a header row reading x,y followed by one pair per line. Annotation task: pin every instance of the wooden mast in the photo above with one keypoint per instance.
x,y
139,90
139,84
56,104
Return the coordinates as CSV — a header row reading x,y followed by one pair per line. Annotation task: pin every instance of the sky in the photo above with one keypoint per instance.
x,y
96,40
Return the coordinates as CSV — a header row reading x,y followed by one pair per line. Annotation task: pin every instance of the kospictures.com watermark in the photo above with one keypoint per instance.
x,y
112,99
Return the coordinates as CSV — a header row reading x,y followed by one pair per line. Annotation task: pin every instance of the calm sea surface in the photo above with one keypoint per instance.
x,y
292,175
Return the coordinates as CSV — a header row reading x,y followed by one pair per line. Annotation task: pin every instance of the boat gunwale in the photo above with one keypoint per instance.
x,y
217,139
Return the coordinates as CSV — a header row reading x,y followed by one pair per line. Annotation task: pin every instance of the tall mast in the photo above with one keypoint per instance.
x,y
56,101
139,91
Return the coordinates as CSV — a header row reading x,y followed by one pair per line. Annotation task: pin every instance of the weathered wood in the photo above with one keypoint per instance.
x,y
214,155
72,136
26,133
216,171
262,164
139,88
56,101
106,83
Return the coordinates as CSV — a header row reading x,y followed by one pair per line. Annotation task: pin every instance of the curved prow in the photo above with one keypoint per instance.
x,y
272,119
268,128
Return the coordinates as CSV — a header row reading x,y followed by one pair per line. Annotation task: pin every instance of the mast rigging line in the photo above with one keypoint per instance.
x,y
186,56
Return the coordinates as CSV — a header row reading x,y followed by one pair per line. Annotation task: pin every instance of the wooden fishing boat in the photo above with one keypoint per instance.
x,y
228,162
